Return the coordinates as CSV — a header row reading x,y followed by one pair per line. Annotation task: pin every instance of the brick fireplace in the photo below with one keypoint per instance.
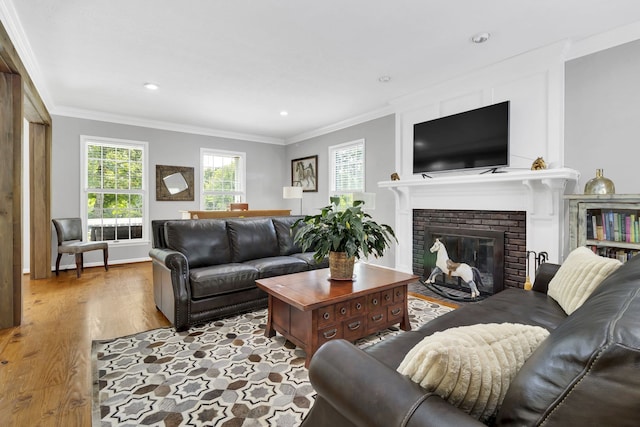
x,y
533,199
506,228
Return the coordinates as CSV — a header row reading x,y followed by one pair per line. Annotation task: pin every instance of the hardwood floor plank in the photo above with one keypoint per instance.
x,y
45,364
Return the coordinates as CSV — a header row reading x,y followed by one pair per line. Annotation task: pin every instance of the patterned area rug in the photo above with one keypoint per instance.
x,y
224,373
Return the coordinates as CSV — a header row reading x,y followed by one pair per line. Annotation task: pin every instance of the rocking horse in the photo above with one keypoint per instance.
x,y
444,265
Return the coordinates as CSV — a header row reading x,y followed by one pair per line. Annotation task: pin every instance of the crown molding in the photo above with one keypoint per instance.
x,y
372,115
603,41
156,124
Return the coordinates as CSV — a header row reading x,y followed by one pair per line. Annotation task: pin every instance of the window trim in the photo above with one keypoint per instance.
x,y
84,188
242,172
332,167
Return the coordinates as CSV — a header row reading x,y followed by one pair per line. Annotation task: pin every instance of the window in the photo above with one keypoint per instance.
x,y
346,169
114,196
223,179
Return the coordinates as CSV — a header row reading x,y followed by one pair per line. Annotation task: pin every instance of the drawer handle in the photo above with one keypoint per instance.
x,y
343,311
374,301
330,334
353,326
358,306
398,293
377,317
325,316
387,297
396,311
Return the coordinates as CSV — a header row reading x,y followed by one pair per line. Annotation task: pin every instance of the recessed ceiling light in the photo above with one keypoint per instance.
x,y
151,86
284,113
384,79
480,37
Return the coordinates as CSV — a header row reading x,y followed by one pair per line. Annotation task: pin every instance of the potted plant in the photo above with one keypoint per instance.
x,y
344,235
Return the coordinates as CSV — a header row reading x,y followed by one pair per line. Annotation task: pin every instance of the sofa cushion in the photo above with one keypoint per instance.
x,y
578,277
586,371
252,239
203,241
472,366
285,234
277,266
221,279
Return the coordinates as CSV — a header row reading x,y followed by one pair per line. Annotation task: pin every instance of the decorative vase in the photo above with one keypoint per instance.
x,y
599,185
341,266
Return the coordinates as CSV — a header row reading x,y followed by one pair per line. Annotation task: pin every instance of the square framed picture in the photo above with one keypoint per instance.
x,y
304,173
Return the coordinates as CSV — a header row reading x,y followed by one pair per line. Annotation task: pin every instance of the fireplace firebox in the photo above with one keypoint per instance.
x,y
482,249
511,224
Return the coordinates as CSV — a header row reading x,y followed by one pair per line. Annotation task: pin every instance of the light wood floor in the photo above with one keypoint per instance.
x,y
45,364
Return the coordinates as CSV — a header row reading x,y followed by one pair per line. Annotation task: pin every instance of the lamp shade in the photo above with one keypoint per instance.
x,y
292,192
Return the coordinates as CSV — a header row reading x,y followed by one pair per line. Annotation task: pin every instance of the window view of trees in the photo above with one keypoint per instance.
x,y
115,197
347,171
221,183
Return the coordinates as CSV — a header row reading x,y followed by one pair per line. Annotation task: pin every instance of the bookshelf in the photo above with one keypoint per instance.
x,y
608,224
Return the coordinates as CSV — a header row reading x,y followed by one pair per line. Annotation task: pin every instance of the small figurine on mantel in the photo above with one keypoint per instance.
x,y
395,176
538,164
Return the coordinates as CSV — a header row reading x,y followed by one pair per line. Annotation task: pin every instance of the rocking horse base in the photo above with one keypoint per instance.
x,y
444,293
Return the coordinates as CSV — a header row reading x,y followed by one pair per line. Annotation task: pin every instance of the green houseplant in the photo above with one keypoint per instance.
x,y
344,235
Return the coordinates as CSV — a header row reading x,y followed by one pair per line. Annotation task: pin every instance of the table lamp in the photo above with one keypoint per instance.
x,y
293,193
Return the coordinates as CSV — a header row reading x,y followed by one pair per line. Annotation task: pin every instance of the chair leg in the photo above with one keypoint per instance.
x,y
58,264
79,263
105,255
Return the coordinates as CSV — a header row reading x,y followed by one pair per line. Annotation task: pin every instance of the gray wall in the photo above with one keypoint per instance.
x,y
379,136
267,172
602,116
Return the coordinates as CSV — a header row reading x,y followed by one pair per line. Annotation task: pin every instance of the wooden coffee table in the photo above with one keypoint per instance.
x,y
308,309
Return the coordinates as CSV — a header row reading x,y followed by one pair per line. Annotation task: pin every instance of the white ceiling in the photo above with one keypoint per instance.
x,y
232,66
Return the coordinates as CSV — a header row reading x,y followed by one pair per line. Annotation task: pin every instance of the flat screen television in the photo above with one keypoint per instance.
x,y
470,140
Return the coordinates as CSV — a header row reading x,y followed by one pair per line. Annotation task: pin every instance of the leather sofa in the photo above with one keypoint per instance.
x,y
205,269
585,373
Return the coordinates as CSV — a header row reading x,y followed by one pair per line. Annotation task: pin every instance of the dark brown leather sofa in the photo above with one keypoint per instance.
x,y
586,373
205,269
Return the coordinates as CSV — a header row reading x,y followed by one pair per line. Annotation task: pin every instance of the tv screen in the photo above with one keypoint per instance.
x,y
473,139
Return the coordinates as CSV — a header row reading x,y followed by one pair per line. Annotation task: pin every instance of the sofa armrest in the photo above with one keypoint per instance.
x,y
369,393
544,274
176,299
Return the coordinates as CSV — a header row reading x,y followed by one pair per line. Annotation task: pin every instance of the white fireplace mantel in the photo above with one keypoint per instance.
x,y
538,193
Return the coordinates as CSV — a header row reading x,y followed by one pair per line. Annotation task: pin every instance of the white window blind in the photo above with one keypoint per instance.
x,y
347,167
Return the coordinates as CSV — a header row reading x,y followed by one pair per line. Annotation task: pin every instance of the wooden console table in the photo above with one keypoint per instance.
x,y
234,214
309,309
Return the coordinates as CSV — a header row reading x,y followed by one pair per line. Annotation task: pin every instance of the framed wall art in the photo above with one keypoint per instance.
x,y
174,183
304,173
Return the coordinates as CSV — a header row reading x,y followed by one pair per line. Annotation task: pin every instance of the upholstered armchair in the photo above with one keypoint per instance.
x,y
70,241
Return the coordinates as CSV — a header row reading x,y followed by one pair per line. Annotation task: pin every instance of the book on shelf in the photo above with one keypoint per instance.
x,y
613,226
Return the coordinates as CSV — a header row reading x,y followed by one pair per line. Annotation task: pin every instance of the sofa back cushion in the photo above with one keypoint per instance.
x,y
285,234
203,241
252,239
586,371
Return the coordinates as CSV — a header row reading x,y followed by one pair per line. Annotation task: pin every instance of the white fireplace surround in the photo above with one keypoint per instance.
x,y
538,193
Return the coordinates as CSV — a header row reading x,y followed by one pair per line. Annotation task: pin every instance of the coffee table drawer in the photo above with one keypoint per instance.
x,y
358,306
326,315
395,313
343,310
374,302
355,328
399,294
329,333
376,321
387,297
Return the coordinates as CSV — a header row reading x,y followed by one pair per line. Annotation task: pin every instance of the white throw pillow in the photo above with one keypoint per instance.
x,y
578,276
471,367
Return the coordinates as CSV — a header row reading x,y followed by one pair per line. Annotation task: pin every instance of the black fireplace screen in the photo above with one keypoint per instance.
x,y
481,249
